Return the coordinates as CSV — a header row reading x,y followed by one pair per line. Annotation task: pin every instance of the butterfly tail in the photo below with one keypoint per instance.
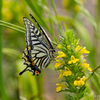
x,y
22,71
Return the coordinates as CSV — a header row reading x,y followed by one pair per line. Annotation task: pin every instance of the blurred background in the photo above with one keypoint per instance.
x,y
43,87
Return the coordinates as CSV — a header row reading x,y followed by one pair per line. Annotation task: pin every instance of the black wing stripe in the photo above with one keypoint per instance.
x,y
32,39
33,55
27,63
41,54
38,55
37,43
34,59
45,63
38,63
34,51
41,49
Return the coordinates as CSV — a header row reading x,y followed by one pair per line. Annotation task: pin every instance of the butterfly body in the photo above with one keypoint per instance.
x,y
39,49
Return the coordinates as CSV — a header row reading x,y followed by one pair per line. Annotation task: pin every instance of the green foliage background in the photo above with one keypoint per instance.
x,y
12,44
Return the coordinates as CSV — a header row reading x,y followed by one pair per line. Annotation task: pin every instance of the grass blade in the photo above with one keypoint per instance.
x,y
2,89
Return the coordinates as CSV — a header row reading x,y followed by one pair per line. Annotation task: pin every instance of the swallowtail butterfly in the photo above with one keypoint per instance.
x,y
39,49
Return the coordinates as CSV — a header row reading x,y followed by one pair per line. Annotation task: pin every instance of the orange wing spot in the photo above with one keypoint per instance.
x,y
33,63
29,48
37,72
31,59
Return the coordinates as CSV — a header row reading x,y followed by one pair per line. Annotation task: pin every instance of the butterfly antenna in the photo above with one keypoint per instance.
x,y
22,71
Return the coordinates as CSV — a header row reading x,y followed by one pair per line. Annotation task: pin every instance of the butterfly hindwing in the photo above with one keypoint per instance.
x,y
41,54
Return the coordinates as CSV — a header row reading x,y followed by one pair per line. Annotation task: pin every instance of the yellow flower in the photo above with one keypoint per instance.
x,y
59,62
61,75
78,48
73,60
77,8
65,3
77,42
68,47
80,81
89,69
84,78
67,72
60,46
7,14
57,65
82,56
62,85
59,87
61,54
86,65
72,43
83,50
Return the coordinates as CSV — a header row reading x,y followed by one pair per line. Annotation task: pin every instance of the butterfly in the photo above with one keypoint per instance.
x,y
39,50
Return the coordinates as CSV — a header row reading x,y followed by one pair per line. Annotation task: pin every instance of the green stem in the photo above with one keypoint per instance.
x,y
49,15
96,68
3,22
93,71
77,95
98,11
2,89
40,88
12,28
59,25
50,20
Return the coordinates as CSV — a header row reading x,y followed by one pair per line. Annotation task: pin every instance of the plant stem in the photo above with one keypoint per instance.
x,y
77,95
2,90
93,72
59,25
12,28
3,22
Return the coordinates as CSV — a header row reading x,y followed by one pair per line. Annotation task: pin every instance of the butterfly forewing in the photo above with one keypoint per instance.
x,y
33,35
44,33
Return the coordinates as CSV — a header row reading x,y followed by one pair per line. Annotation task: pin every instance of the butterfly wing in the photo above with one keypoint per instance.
x,y
44,33
33,35
36,45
